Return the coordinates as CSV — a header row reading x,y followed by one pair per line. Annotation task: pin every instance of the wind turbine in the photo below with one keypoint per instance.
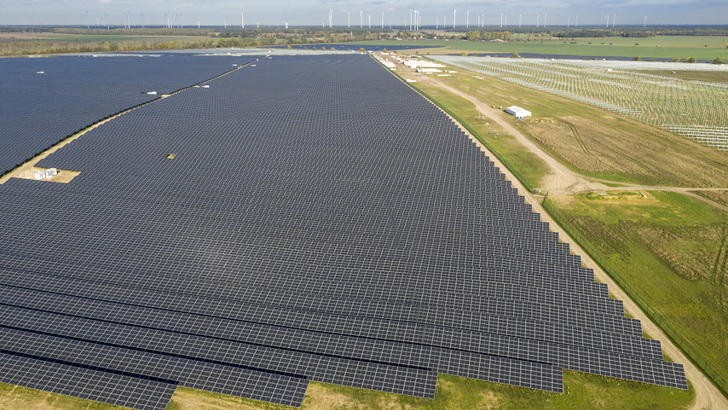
x,y
520,16
370,20
382,20
467,18
538,17
645,25
87,26
242,17
478,20
607,21
614,18
453,18
331,18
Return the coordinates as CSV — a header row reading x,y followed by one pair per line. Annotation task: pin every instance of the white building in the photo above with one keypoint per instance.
x,y
518,112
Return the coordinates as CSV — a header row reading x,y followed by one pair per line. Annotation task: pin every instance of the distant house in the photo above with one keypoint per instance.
x,y
518,112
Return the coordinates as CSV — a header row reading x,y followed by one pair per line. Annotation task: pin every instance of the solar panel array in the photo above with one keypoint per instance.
x,y
318,221
45,100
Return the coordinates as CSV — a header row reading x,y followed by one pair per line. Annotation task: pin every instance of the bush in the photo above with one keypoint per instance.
x,y
638,58
690,60
515,55
718,60
361,50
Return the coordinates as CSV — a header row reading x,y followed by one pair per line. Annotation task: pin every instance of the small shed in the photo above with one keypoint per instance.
x,y
518,112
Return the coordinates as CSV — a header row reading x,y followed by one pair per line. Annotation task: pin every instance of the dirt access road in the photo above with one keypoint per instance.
x,y
562,181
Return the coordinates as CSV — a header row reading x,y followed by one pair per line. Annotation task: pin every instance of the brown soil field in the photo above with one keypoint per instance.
x,y
606,147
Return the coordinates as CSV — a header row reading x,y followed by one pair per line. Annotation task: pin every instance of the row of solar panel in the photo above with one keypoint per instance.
x,y
390,246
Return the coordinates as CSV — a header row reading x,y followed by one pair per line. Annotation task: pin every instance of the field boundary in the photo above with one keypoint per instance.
x,y
655,316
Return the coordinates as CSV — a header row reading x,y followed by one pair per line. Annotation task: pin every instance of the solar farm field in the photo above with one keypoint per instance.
x,y
693,109
291,223
45,100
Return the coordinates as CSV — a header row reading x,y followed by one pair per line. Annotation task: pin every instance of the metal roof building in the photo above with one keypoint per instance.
x,y
518,112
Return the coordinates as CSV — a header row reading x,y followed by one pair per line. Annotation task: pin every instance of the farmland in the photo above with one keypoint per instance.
x,y
702,48
687,108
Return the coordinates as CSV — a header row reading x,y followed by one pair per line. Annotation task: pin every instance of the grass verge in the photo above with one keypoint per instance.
x,y
581,391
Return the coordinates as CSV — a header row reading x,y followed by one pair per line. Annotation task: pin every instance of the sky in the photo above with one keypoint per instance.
x,y
188,13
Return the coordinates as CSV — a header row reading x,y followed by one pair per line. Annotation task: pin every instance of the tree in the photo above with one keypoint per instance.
x,y
718,60
638,58
361,50
289,47
384,50
515,55
690,60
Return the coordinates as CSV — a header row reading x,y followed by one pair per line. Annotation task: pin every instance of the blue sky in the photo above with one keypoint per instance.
x,y
315,12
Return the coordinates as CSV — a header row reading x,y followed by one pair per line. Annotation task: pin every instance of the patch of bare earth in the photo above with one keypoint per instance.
x,y
322,397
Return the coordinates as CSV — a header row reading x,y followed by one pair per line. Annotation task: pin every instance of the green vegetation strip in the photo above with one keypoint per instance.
x,y
654,315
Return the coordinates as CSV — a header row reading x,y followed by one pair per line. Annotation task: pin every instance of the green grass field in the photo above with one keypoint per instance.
x,y
580,391
671,250
652,47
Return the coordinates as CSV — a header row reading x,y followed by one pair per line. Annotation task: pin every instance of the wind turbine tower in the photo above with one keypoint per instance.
x,y
453,18
348,19
520,16
645,25
614,18
467,18
382,20
370,20
607,21
242,17
361,19
538,17
331,18
576,23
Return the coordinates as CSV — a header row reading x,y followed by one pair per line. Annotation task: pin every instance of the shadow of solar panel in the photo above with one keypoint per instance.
x,y
307,228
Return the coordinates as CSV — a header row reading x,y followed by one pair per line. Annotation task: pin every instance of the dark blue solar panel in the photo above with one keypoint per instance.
x,y
44,100
319,221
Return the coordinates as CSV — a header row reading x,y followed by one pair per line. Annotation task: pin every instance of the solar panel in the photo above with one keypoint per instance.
x,y
318,221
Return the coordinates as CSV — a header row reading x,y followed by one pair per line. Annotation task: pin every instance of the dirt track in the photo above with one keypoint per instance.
x,y
563,181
